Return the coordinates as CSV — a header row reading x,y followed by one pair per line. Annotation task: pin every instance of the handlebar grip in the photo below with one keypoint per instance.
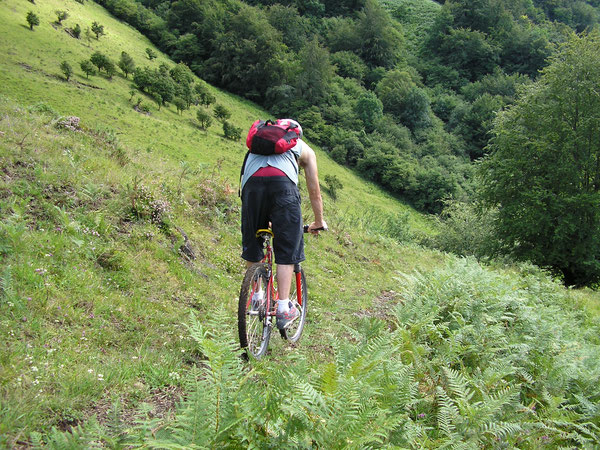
x,y
315,229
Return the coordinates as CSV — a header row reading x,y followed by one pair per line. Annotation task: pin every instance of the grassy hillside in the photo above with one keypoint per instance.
x,y
96,297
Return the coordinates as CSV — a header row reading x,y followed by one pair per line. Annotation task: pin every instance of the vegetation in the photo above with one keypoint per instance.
x,y
120,218
543,174
32,19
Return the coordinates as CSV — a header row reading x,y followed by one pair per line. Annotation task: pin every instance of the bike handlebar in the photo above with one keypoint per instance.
x,y
314,229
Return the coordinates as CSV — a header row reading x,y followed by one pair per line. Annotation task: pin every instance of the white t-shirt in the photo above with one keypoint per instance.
x,y
287,162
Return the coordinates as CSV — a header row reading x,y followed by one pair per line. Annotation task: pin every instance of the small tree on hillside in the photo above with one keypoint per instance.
x,y
88,68
180,104
221,113
60,16
110,68
151,54
99,60
205,98
32,19
76,31
231,132
126,64
204,119
98,30
66,69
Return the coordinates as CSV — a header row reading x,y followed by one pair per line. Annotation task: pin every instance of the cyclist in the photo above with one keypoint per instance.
x,y
270,194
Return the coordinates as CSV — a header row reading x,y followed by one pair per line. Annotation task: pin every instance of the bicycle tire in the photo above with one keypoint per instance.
x,y
294,331
253,326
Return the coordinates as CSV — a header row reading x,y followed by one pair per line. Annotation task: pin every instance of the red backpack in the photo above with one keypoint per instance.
x,y
267,137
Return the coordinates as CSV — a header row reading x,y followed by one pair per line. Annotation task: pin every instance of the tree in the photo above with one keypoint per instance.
x,y
543,173
76,31
204,119
126,64
60,16
205,98
99,60
221,112
66,69
231,132
88,68
32,19
402,98
379,39
151,53
314,79
98,30
369,109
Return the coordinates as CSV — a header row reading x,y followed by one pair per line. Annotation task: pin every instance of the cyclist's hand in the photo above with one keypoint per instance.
x,y
315,228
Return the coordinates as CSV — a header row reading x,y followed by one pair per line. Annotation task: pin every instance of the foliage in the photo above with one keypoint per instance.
x,y
150,53
88,67
97,29
32,19
543,171
221,112
61,15
230,131
126,64
204,119
66,69
473,360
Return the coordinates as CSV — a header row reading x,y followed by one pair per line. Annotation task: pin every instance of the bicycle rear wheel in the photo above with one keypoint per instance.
x,y
253,326
293,332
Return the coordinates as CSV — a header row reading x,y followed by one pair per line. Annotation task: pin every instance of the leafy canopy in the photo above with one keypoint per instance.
x,y
544,168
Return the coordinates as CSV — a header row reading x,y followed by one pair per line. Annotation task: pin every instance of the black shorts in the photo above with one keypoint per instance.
x,y
275,200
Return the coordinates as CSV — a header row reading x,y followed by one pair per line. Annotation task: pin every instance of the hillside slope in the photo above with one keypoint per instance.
x,y
96,293
90,283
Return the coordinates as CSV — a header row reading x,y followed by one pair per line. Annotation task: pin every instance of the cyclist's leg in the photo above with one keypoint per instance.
x,y
255,209
284,280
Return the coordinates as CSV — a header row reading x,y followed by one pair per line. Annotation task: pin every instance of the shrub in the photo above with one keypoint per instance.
x,y
32,19
333,185
151,53
204,119
231,132
76,31
221,113
98,29
66,69
61,15
88,67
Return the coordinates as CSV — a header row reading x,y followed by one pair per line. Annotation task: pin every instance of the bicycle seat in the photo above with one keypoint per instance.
x,y
263,232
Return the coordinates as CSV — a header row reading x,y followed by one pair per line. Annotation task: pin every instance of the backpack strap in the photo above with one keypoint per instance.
x,y
242,173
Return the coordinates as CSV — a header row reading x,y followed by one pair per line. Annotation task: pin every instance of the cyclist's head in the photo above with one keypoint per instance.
x,y
292,124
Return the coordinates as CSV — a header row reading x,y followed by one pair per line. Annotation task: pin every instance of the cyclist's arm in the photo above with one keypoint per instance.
x,y
308,161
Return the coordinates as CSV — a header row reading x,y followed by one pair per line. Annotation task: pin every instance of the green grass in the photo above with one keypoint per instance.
x,y
95,297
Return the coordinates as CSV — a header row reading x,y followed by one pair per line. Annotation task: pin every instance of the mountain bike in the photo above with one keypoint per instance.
x,y
257,305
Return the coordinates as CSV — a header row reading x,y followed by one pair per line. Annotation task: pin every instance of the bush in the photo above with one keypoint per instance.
x,y
88,68
32,19
333,185
231,132
204,119
221,113
98,29
66,69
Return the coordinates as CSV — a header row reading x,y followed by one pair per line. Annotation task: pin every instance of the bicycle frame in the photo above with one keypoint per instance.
x,y
272,294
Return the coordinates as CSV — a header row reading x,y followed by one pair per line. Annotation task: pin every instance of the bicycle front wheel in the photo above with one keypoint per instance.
x,y
253,325
293,332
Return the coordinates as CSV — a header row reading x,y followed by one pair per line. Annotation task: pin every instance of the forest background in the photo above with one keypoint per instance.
x,y
406,94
